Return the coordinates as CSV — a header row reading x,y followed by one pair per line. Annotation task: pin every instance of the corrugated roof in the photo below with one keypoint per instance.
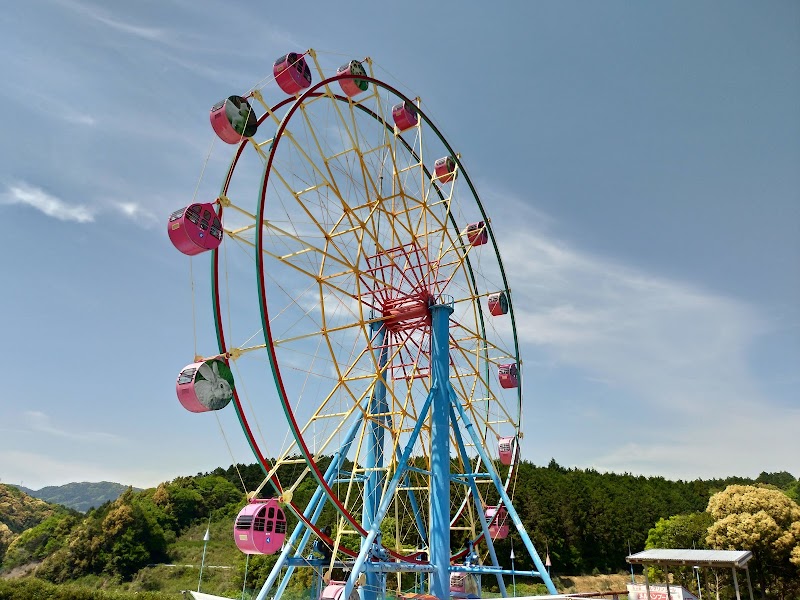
x,y
700,558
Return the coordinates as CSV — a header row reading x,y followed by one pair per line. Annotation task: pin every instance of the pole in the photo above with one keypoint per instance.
x,y
547,562
633,579
513,576
749,585
736,583
244,583
206,537
699,589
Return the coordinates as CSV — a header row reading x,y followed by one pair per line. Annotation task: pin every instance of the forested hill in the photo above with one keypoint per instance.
x,y
79,496
586,519
20,512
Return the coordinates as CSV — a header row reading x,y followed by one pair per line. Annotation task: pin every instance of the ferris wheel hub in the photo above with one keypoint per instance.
x,y
412,311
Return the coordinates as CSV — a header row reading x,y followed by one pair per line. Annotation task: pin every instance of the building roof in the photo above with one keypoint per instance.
x,y
199,596
699,558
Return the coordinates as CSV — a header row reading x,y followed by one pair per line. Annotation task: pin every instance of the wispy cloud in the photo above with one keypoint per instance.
x,y
715,447
39,422
76,118
101,16
668,359
136,212
51,206
663,340
36,470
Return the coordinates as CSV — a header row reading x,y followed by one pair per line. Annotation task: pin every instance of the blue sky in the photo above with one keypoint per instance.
x,y
639,161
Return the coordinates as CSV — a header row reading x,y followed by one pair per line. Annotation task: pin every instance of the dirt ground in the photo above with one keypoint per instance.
x,y
21,571
593,583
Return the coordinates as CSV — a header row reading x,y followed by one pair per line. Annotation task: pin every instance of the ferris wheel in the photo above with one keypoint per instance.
x,y
366,336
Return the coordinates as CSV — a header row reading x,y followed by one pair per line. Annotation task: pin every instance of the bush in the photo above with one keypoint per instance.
x,y
36,589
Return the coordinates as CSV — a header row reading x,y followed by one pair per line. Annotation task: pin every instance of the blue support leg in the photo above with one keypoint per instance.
x,y
314,509
512,513
386,501
440,450
378,409
478,506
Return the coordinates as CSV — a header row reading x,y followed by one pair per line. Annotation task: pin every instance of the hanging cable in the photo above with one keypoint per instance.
x,y
194,309
230,452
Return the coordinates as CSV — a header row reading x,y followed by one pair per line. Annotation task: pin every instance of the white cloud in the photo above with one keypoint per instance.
x,y
78,118
35,471
665,341
52,206
39,422
136,212
732,443
663,385
49,205
148,33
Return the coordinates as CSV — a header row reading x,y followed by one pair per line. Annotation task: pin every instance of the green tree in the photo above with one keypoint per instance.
x,y
680,531
6,537
793,491
766,522
782,480
133,538
36,543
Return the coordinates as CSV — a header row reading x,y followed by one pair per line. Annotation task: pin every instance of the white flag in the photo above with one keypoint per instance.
x,y
207,536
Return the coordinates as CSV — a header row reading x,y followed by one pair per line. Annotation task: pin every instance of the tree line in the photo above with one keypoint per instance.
x,y
585,520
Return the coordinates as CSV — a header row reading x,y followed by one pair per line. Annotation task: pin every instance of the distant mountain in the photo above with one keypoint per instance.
x,y
79,496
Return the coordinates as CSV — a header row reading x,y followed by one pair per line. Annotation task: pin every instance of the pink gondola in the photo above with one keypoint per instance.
x,y
353,87
498,304
194,229
260,527
404,115
292,73
205,386
444,169
509,376
477,234
507,447
233,119
497,517
463,585
335,591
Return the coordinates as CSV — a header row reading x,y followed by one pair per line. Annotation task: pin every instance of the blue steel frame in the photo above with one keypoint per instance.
x,y
445,410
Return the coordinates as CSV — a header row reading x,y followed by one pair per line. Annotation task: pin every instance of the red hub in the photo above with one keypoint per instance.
x,y
411,311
